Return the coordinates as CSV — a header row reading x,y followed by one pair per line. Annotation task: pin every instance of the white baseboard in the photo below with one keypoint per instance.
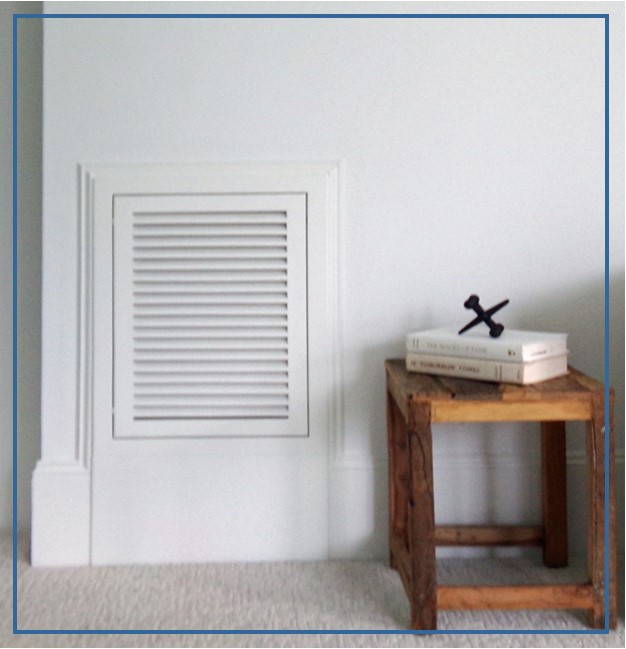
x,y
60,505
497,488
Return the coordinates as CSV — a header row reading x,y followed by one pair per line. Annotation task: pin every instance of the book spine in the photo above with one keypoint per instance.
x,y
416,343
469,368
537,351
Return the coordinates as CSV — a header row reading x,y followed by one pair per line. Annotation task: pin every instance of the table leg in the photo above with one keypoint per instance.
x,y
596,526
422,521
398,466
612,516
554,493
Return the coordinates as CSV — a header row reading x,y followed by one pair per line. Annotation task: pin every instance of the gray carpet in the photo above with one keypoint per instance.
x,y
363,599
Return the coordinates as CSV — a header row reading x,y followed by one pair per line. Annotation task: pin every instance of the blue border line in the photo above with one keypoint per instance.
x,y
14,326
604,631
607,332
303,632
318,16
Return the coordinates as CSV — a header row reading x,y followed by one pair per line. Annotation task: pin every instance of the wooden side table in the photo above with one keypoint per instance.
x,y
414,402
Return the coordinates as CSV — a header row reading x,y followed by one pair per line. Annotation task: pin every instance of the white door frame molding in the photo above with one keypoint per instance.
x,y
62,480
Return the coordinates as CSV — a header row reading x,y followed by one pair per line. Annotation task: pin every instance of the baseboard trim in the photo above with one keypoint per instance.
x,y
356,461
60,514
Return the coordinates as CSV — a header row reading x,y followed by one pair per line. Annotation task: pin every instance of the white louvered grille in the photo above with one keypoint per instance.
x,y
203,318
210,315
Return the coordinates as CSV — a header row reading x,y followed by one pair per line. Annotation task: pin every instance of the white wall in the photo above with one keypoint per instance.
x,y
29,257
473,154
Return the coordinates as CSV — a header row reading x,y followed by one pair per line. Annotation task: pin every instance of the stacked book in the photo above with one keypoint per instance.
x,y
521,357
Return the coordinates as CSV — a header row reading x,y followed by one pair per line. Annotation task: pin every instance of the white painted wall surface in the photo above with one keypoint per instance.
x,y
473,154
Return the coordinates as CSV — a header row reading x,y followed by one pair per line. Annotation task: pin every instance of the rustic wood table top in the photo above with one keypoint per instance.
x,y
465,400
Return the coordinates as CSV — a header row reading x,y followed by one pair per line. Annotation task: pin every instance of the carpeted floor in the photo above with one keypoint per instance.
x,y
337,604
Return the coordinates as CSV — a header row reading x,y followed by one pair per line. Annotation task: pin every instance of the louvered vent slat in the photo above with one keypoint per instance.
x,y
216,333
191,278
173,218
163,267
205,324
201,367
215,372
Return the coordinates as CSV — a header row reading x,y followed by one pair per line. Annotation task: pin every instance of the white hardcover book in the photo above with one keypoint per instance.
x,y
512,345
488,370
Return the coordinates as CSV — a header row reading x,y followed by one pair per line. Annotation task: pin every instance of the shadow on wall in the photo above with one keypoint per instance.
x,y
29,201
579,310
